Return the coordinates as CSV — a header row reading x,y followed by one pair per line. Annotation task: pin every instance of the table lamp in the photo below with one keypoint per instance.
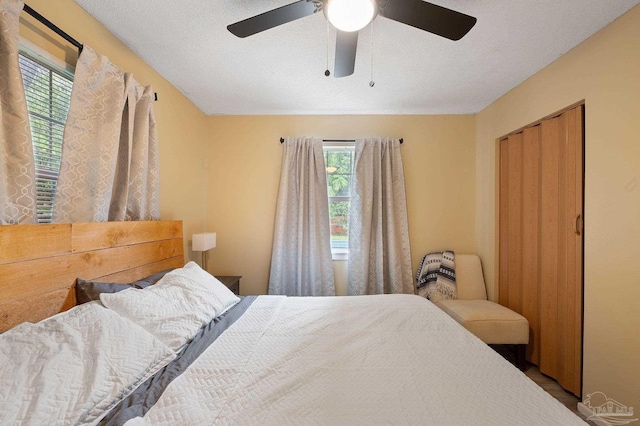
x,y
203,242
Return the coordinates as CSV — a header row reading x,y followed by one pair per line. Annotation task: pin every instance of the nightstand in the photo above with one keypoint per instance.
x,y
233,282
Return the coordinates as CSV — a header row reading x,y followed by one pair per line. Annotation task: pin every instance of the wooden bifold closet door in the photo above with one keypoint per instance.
x,y
540,240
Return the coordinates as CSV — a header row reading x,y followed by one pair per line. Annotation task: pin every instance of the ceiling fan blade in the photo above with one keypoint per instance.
x,y
346,46
273,18
429,17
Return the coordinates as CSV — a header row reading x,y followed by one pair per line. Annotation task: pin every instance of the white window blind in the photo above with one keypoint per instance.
x,y
48,93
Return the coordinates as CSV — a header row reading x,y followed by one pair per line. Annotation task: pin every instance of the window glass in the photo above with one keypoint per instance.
x,y
48,93
339,161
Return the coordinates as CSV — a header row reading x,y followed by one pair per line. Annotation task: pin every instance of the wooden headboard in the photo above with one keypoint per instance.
x,y
39,264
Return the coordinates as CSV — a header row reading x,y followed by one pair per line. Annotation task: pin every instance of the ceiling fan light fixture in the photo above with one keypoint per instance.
x,y
350,15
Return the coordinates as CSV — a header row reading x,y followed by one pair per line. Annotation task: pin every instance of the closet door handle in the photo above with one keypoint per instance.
x,y
576,225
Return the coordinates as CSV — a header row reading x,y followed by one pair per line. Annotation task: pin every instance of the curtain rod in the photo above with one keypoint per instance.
x,y
53,27
341,140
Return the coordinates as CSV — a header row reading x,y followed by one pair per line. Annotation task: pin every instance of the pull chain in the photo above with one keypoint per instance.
x,y
327,72
371,82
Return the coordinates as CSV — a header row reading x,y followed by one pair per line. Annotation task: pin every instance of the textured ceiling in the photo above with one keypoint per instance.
x,y
281,70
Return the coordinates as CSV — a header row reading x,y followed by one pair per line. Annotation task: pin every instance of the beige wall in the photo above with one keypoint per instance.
x,y
181,126
605,71
244,159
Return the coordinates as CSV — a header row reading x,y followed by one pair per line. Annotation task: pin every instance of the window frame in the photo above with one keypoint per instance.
x,y
339,253
63,70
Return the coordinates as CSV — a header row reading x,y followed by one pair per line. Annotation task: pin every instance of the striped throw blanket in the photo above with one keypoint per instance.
x,y
436,276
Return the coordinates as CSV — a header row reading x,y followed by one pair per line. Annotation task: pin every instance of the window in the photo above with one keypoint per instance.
x,y
48,93
338,159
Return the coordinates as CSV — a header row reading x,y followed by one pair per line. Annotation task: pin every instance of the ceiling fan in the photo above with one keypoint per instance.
x,y
350,16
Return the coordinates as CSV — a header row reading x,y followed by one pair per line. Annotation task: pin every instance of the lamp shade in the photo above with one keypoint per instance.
x,y
204,241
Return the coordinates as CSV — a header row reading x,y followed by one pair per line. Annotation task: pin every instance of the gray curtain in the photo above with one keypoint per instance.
x,y
17,167
379,250
301,262
109,168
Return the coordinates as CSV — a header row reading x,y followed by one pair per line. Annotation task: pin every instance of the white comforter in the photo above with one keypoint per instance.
x,y
393,359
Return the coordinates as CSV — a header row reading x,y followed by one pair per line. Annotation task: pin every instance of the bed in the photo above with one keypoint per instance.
x,y
387,359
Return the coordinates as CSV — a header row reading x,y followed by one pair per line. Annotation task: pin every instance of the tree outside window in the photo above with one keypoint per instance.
x,y
339,160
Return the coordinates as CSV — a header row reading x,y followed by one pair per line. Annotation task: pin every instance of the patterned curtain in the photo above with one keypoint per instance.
x,y
301,262
379,250
17,167
109,168
137,185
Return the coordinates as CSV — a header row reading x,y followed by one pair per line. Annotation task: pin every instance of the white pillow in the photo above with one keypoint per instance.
x,y
176,307
225,296
74,367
